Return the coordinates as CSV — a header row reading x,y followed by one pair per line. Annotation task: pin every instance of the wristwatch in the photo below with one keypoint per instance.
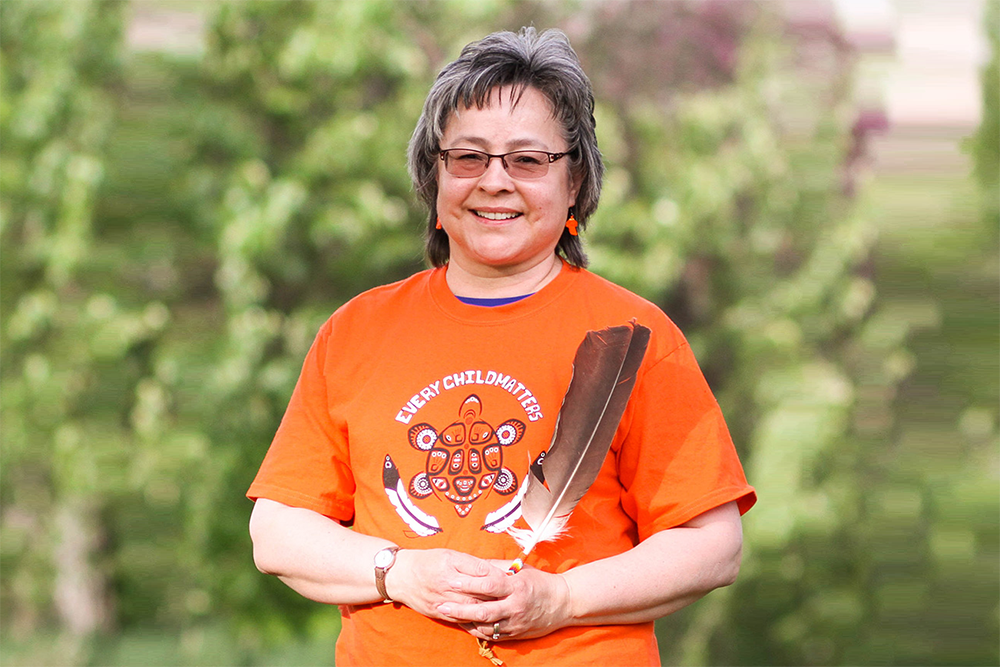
x,y
384,559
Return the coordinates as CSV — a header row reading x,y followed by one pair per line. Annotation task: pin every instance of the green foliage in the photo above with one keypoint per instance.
x,y
62,345
175,228
986,143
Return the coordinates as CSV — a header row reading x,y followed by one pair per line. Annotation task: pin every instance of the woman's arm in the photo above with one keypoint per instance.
x,y
665,572
324,561
327,562
668,571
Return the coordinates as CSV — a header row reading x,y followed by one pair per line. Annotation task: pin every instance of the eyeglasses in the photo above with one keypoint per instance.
x,y
525,165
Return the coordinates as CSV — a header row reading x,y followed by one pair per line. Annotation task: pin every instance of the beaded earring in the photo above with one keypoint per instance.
x,y
571,225
438,225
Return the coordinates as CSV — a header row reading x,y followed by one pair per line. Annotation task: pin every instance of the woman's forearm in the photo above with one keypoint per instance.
x,y
326,562
313,554
664,573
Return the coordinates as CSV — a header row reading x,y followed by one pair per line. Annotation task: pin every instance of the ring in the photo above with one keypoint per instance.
x,y
496,631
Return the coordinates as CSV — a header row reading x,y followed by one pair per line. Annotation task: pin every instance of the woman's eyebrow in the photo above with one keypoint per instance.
x,y
512,145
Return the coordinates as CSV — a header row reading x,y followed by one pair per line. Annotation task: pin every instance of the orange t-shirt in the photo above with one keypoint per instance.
x,y
416,417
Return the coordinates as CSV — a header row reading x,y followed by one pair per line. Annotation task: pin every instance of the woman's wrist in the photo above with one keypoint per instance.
x,y
395,577
566,599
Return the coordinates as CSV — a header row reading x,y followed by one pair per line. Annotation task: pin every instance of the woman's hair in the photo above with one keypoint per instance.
x,y
545,62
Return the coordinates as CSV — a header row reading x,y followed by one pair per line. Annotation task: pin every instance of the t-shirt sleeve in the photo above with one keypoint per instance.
x,y
308,463
678,459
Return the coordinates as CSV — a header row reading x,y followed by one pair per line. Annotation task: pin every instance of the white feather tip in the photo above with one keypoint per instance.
x,y
527,538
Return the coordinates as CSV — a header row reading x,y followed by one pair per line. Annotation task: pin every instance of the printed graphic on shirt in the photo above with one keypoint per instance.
x,y
464,464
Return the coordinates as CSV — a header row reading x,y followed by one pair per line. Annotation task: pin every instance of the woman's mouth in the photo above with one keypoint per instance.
x,y
492,215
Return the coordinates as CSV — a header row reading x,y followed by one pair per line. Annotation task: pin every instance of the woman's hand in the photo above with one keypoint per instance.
x,y
427,579
664,572
531,603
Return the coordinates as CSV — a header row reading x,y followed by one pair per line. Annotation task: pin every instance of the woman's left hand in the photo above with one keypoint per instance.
x,y
531,603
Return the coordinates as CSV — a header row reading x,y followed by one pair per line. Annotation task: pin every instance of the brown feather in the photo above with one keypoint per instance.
x,y
604,373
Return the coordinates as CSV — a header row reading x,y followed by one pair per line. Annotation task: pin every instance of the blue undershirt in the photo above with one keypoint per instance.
x,y
500,301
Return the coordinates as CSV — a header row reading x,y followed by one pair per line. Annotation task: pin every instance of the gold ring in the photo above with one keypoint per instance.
x,y
496,631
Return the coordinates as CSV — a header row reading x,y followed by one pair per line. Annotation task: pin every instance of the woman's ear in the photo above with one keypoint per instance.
x,y
576,181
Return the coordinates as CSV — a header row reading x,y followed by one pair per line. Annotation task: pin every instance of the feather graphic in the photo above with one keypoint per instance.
x,y
421,522
604,372
500,520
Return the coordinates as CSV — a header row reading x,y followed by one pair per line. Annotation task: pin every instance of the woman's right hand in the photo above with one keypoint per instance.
x,y
423,579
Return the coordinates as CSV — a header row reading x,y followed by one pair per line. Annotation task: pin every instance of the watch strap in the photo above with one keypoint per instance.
x,y
380,573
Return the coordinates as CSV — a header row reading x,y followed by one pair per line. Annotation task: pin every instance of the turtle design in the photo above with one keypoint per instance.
x,y
465,459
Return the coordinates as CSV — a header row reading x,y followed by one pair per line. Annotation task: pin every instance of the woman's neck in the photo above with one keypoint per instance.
x,y
497,283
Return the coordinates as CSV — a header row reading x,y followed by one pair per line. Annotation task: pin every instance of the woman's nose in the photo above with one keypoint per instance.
x,y
496,178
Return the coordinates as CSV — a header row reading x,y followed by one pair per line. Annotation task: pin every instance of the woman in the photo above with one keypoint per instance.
x,y
421,404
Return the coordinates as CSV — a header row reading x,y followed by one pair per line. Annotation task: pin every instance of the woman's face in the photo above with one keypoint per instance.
x,y
497,224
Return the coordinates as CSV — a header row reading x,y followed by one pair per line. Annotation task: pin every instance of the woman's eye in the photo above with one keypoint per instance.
x,y
469,157
528,160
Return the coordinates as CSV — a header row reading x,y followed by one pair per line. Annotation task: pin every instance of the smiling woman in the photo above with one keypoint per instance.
x,y
487,352
500,224
500,70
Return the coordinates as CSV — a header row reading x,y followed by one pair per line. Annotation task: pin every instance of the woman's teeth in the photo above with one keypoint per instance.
x,y
496,216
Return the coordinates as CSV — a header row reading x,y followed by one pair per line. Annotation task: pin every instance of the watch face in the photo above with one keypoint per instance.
x,y
383,558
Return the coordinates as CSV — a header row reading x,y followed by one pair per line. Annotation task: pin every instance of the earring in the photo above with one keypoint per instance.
x,y
571,225
438,225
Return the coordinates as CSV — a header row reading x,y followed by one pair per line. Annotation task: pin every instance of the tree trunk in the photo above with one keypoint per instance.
x,y
80,591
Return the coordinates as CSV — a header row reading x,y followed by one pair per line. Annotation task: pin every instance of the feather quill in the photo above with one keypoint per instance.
x,y
604,373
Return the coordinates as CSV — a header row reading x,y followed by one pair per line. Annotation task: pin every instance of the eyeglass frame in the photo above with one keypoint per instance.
x,y
443,154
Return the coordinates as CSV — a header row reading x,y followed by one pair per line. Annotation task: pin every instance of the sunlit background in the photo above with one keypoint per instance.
x,y
188,189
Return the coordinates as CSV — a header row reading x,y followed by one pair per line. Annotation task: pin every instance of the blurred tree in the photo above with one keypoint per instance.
x,y
62,344
986,142
175,227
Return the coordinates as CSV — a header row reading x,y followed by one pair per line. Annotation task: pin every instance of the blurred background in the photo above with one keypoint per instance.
x,y
810,189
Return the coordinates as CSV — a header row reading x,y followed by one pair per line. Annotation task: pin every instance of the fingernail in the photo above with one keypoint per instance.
x,y
444,609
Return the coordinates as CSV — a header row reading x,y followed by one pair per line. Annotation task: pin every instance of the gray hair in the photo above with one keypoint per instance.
x,y
545,62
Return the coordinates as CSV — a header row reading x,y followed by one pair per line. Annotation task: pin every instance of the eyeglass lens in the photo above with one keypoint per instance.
x,y
519,164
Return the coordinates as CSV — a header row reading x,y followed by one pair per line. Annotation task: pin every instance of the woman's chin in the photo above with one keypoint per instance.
x,y
494,263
